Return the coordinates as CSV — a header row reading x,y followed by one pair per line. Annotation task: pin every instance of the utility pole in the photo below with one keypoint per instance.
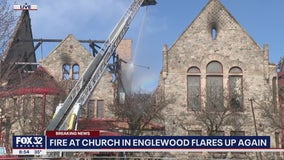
x,y
253,115
254,122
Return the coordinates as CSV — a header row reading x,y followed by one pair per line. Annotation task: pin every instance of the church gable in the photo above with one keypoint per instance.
x,y
215,26
70,53
68,50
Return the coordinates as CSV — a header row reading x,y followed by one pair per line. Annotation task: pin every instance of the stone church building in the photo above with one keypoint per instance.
x,y
222,81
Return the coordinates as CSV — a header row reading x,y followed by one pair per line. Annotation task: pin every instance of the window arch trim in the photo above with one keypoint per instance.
x,y
214,67
193,70
235,70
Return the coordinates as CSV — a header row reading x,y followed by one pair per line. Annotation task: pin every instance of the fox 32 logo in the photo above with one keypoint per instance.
x,y
28,142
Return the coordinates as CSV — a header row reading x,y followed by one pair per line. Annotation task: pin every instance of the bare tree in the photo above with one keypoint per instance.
x,y
272,116
28,113
24,111
271,112
7,21
219,111
139,109
215,120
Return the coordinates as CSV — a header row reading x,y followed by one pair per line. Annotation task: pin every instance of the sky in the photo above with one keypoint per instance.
x,y
152,27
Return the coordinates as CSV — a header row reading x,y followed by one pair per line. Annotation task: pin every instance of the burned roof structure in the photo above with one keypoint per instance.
x,y
20,49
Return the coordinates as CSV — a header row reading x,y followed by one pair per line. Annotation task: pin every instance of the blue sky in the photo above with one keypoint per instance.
x,y
164,23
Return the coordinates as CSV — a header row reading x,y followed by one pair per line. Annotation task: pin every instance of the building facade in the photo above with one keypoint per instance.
x,y
222,80
66,63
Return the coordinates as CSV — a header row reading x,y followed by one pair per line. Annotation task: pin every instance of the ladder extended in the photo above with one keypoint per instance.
x,y
68,111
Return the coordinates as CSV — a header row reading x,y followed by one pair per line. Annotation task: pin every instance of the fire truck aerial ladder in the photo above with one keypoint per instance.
x,y
67,113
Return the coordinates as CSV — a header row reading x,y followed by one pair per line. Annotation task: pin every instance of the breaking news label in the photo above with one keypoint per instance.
x,y
91,141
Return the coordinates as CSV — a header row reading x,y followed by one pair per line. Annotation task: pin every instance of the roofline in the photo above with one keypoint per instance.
x,y
192,22
12,39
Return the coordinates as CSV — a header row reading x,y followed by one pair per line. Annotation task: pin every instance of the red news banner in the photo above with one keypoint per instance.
x,y
77,134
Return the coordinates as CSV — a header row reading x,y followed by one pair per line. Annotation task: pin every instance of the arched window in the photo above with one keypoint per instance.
x,y
213,29
214,86
236,88
66,71
75,72
193,88
214,33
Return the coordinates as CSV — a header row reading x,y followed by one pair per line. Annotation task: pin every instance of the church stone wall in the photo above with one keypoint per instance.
x,y
215,35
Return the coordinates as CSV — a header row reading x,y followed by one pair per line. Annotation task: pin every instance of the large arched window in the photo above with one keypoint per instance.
x,y
214,86
193,88
236,88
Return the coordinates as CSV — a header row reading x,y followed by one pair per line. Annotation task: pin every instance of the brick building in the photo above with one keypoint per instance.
x,y
218,74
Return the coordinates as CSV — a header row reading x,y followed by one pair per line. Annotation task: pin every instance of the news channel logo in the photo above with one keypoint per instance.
x,y
29,142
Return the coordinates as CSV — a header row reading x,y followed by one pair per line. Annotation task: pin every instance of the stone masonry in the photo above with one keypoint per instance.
x,y
70,51
215,36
